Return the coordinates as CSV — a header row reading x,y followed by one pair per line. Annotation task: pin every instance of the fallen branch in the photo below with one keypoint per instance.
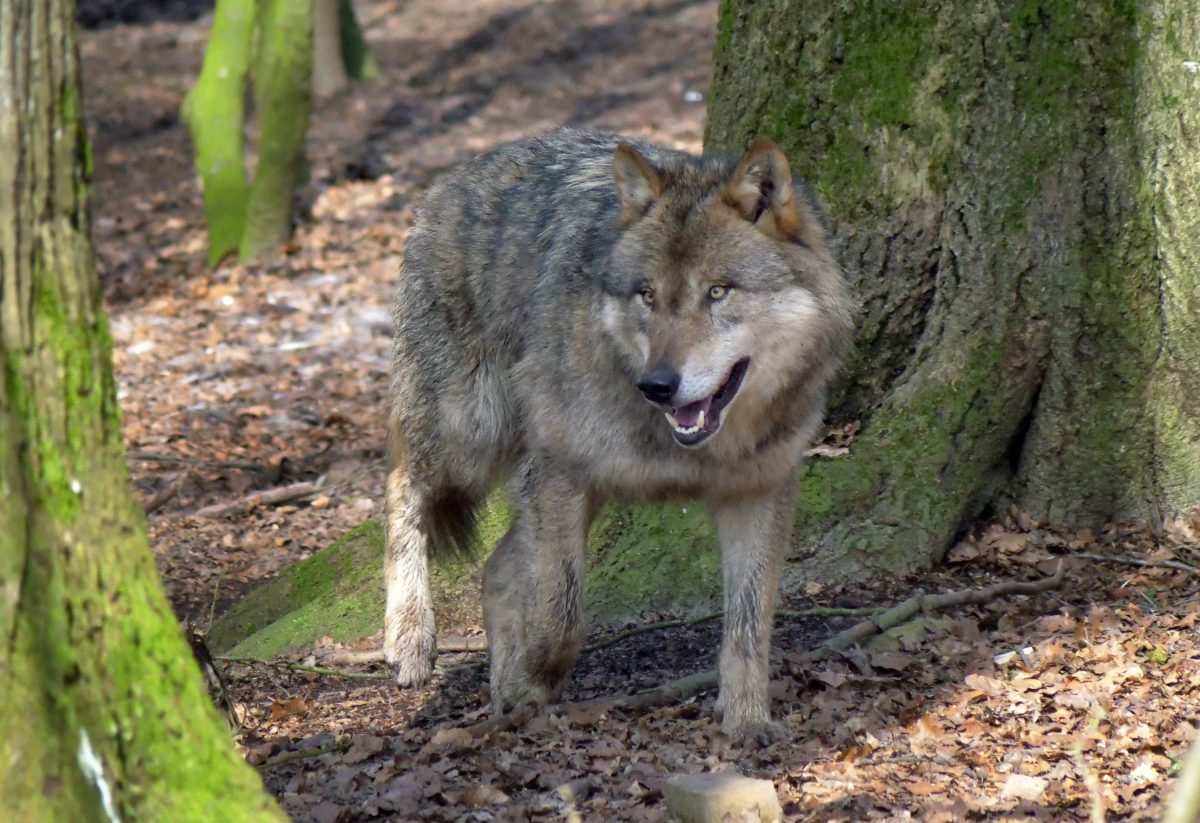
x,y
478,643
291,757
686,687
907,610
266,497
300,667
1134,561
169,491
184,460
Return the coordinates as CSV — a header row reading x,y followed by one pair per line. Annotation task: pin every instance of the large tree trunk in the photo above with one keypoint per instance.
x,y
1014,189
104,716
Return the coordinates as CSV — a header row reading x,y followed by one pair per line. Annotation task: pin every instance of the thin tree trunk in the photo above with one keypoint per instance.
x,y
214,111
329,68
104,716
360,63
1014,193
284,100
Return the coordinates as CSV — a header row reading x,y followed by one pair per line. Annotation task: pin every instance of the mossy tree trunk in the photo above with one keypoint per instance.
x,y
214,111
1016,197
277,39
356,54
284,96
104,715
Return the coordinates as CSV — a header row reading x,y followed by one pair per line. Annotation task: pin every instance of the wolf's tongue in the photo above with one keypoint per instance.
x,y
687,416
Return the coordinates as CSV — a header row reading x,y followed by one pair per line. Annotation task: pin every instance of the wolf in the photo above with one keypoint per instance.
x,y
594,318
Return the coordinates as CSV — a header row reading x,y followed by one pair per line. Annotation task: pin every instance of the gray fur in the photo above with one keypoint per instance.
x,y
521,328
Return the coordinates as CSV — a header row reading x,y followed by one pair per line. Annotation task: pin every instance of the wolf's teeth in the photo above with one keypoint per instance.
x,y
671,419
700,420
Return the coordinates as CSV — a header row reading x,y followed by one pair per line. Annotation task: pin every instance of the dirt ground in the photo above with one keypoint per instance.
x,y
1074,704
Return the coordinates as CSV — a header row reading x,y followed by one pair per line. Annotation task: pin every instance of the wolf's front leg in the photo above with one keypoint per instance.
x,y
409,633
532,588
753,534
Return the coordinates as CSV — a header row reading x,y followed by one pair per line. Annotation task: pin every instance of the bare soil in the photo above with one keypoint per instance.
x,y
251,377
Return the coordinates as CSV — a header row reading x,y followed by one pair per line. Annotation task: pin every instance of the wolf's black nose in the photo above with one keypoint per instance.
x,y
659,383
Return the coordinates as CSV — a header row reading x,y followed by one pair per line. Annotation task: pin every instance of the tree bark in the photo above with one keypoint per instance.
x,y
214,111
284,97
104,716
356,54
1013,188
329,68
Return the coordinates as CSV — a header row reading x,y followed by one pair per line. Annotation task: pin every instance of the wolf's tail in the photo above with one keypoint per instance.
x,y
452,519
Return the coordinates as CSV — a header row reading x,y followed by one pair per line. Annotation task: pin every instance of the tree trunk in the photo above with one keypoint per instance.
x,y
1014,191
360,63
329,68
214,111
104,716
283,98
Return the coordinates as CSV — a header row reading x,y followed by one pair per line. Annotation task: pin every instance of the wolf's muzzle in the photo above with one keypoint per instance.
x,y
659,383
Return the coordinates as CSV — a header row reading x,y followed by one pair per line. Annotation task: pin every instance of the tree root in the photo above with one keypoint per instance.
x,y
588,711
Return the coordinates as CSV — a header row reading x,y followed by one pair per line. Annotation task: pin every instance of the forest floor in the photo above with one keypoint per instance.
x,y
253,377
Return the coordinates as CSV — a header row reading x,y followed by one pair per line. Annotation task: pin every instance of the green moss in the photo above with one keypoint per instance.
x,y
651,559
645,559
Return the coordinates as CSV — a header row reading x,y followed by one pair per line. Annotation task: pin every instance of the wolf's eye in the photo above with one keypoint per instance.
x,y
716,293
647,297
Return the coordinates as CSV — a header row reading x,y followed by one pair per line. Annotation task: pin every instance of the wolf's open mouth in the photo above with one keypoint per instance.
x,y
696,422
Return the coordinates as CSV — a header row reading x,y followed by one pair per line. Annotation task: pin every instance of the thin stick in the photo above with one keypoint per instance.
x,y
281,494
478,643
300,667
173,488
184,460
1133,561
291,757
685,687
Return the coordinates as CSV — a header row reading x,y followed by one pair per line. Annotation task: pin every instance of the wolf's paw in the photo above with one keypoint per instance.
x,y
748,721
755,733
412,663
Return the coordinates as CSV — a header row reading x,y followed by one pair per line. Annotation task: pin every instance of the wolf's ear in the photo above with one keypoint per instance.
x,y
760,188
638,183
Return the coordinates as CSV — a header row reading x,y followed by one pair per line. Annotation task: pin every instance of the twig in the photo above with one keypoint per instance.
x,y
212,604
300,667
905,611
291,757
184,460
173,488
266,497
1133,561
478,643
686,687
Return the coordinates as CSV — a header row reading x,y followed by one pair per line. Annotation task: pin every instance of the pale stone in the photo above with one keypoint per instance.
x,y
707,798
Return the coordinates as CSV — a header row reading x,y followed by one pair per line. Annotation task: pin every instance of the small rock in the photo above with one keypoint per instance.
x,y
1024,787
707,798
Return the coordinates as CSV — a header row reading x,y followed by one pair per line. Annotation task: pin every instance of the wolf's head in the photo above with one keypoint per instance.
x,y
721,289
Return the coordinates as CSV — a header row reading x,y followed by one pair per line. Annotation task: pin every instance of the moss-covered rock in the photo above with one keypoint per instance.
x,y
646,560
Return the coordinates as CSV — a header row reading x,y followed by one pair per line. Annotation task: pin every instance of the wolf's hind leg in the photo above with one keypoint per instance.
x,y
409,633
753,534
532,589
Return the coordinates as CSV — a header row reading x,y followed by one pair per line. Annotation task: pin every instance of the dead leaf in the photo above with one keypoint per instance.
x,y
363,747
292,707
